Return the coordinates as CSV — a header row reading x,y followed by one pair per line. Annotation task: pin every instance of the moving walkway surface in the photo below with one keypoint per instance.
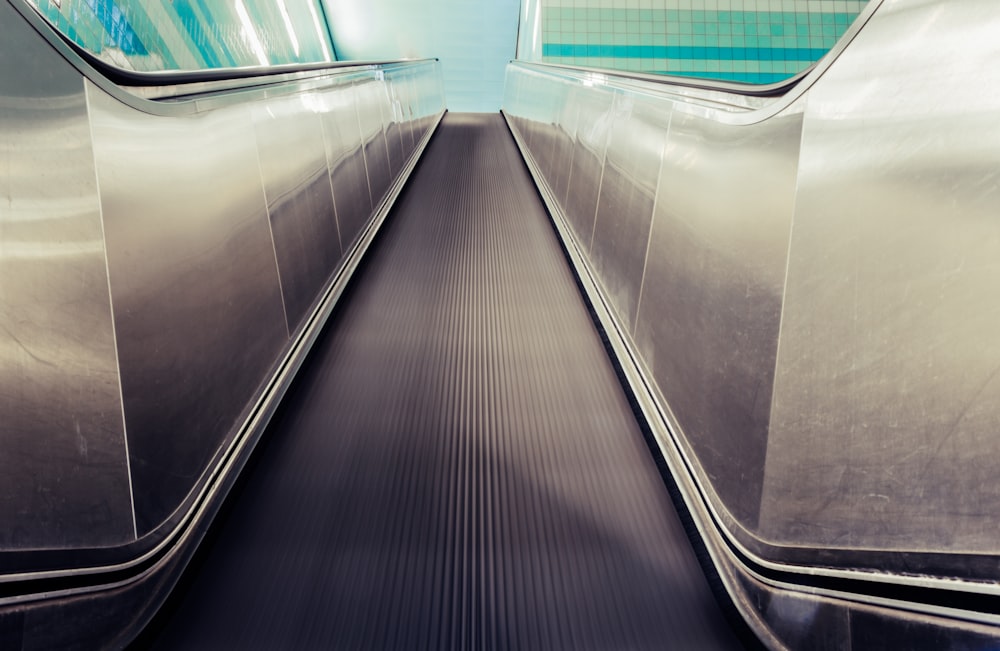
x,y
457,465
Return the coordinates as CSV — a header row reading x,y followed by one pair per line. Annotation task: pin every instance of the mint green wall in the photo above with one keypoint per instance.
x,y
474,39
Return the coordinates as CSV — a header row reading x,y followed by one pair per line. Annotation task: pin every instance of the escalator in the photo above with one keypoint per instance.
x,y
457,464
264,388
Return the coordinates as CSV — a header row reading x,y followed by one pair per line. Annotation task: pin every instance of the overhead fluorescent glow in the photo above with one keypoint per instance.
x,y
250,33
288,25
320,31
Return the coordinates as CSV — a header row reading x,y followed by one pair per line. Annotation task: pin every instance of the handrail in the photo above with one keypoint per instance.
x,y
776,89
134,79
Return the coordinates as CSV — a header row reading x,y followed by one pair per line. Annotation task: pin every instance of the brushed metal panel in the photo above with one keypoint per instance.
x,y
392,117
299,200
711,300
346,162
532,95
590,144
545,148
400,89
427,95
881,628
64,478
566,125
197,305
394,142
418,103
887,395
371,108
536,117
625,202
542,111
407,89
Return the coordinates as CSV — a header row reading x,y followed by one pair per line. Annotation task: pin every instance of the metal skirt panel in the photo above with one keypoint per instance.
x,y
63,466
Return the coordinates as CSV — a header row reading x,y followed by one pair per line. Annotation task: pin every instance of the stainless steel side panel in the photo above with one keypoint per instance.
x,y
590,144
878,424
886,413
542,99
817,312
711,299
197,304
404,92
392,117
218,219
346,162
548,137
625,203
566,120
299,200
432,99
63,463
371,114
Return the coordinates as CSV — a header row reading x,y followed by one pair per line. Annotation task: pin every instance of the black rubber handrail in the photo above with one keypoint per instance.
x,y
162,78
735,87
134,79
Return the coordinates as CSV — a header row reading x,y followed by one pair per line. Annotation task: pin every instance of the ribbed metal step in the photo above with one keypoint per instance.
x,y
457,466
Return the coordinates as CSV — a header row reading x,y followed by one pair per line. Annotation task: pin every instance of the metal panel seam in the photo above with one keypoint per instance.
x,y
600,183
572,151
111,308
652,220
804,100
364,154
329,181
385,128
270,229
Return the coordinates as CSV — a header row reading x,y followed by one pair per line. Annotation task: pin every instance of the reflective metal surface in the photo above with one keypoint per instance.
x,y
625,202
711,301
562,149
887,400
194,283
880,273
346,162
63,458
261,223
210,206
371,105
593,123
299,200
392,113
403,92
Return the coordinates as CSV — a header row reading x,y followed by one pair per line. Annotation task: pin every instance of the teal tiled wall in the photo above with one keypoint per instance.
x,y
754,41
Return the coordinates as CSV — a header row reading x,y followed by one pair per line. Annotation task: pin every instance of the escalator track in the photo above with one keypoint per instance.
x,y
457,464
